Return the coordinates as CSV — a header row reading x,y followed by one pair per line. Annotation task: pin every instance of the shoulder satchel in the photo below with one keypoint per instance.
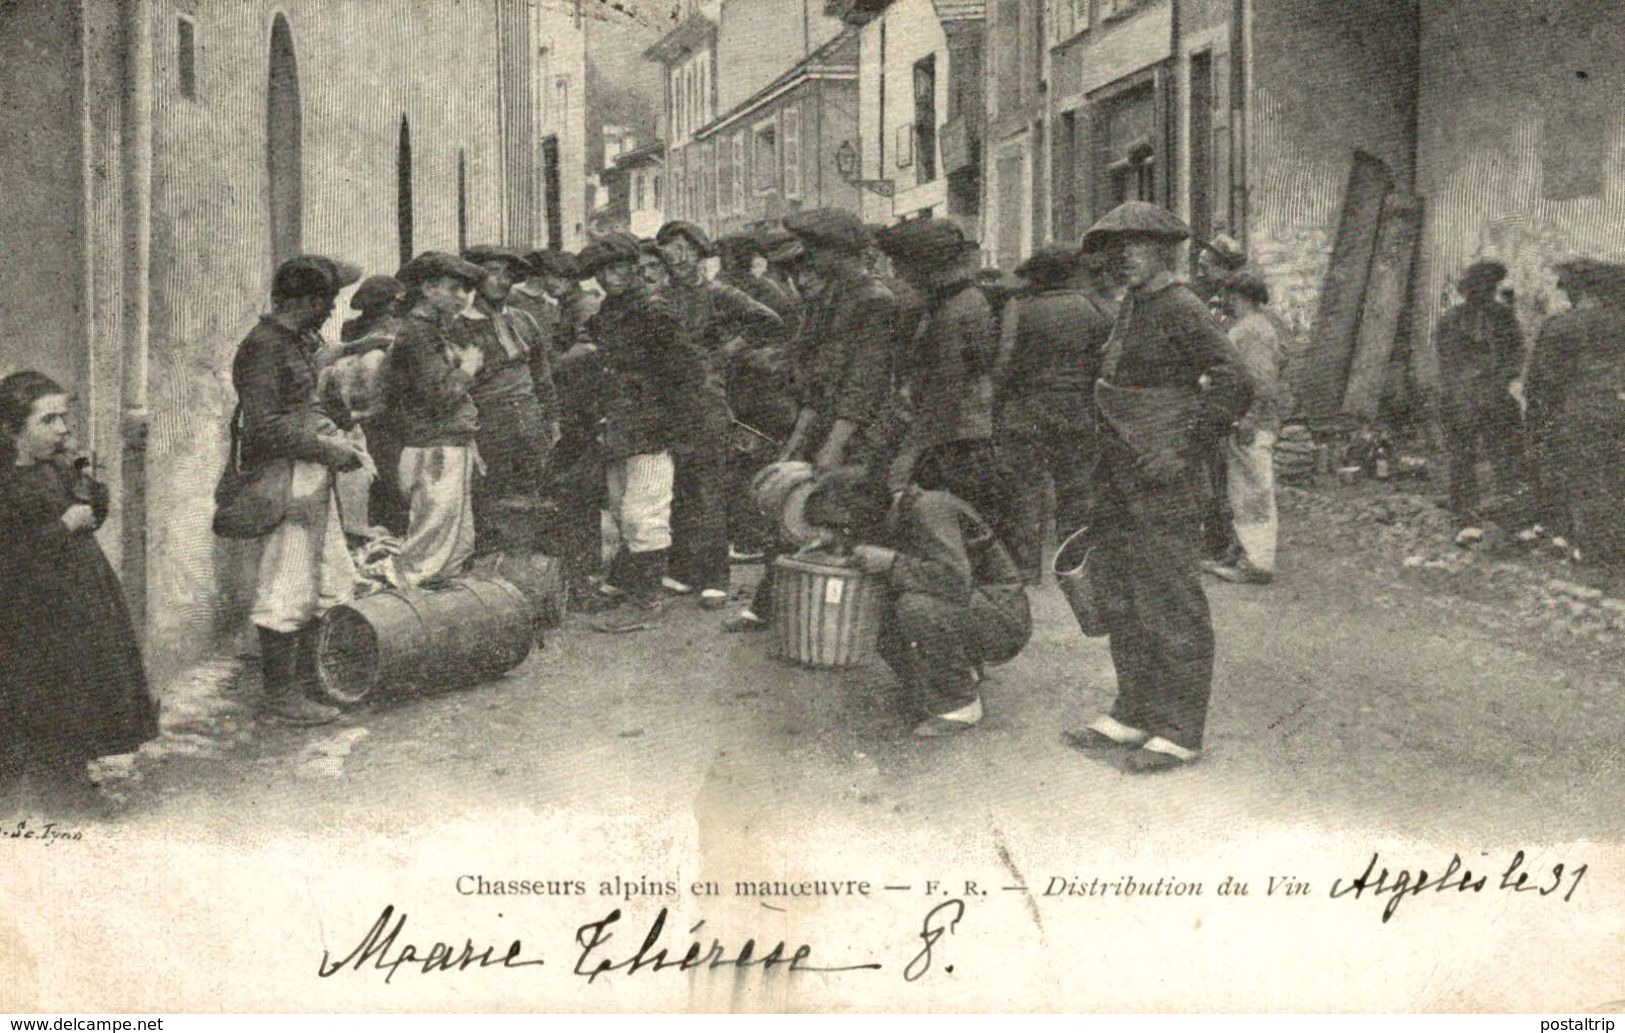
x,y
250,503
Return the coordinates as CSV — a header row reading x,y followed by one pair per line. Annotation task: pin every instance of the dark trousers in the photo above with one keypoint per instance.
x,y
386,504
1489,427
1151,597
574,532
971,470
514,446
1030,451
699,515
935,646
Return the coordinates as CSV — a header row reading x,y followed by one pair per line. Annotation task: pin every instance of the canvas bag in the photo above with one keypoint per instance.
x,y
250,504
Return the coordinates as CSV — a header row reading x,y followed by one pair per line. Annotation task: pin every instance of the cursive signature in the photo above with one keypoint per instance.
x,y
1455,877
593,962
932,930
378,944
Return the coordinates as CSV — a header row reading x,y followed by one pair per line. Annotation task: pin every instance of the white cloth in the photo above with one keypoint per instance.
x,y
440,531
1250,482
304,565
639,489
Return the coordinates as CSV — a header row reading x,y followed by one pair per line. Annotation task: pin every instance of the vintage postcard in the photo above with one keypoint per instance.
x,y
812,506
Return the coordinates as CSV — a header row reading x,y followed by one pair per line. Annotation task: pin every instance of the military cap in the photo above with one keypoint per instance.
x,y
375,292
694,235
552,262
833,228
1135,218
480,254
1226,251
1049,265
927,243
780,246
606,250
305,276
433,264
1486,272
738,245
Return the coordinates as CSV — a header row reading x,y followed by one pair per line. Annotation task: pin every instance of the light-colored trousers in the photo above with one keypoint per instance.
x,y
305,566
640,489
438,483
1250,481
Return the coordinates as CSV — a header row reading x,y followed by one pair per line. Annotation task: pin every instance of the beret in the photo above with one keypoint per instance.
x,y
480,254
1049,265
833,228
695,236
1487,271
304,276
433,264
553,262
780,246
1224,248
1135,218
375,291
606,250
739,245
924,242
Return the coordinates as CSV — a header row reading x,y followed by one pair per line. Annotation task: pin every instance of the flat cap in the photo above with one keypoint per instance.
x,y
552,262
304,276
1049,265
375,292
679,228
433,264
606,250
1135,218
928,243
833,228
480,254
1488,272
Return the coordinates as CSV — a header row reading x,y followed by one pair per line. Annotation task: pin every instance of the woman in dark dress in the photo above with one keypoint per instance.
x,y
72,687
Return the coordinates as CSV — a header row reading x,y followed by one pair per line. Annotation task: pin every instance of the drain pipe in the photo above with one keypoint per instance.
x,y
137,190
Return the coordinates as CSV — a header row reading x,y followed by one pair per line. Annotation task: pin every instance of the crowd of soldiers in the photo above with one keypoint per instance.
x,y
485,401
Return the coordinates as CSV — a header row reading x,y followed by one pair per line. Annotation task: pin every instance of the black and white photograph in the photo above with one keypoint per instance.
x,y
812,506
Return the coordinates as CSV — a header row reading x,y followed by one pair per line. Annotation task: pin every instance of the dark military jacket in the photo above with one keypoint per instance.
x,y
653,375
275,374
1051,370
842,358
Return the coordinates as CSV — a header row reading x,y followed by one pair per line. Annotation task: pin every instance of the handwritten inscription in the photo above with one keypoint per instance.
x,y
379,948
1457,878
939,921
651,957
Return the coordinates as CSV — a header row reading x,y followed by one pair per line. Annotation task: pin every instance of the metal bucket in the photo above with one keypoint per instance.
x,y
467,630
539,577
1072,573
824,615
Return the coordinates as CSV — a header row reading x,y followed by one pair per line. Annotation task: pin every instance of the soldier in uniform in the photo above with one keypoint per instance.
x,y
1044,418
954,600
553,295
1481,353
841,361
304,566
352,376
1170,385
654,379
431,381
946,373
722,320
517,403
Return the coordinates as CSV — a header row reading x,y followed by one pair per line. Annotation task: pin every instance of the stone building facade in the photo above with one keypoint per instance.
x,y
169,152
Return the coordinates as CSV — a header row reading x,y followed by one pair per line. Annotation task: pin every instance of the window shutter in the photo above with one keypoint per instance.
x,y
792,152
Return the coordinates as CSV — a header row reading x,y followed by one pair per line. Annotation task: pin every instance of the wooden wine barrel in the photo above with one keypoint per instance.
x,y
465,631
824,615
539,577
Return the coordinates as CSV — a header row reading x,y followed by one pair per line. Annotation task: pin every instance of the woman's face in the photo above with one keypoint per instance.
x,y
45,432
447,295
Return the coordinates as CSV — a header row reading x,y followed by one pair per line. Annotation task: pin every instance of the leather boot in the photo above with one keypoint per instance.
x,y
641,607
282,664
